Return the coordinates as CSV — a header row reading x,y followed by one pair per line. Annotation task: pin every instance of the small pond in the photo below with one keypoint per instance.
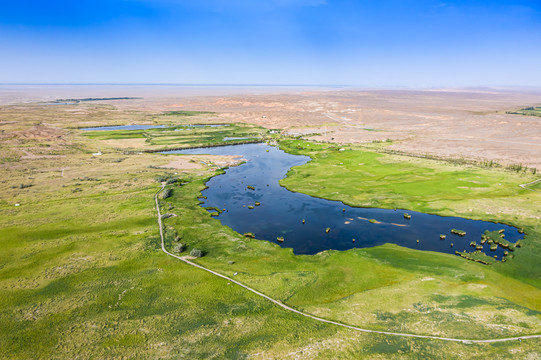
x,y
229,138
145,127
281,212
123,127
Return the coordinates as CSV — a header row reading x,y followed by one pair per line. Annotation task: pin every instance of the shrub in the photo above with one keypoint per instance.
x,y
458,232
170,234
179,248
196,253
166,193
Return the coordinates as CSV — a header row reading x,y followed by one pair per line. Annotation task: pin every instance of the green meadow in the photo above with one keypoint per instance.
x,y
527,111
371,178
82,274
183,136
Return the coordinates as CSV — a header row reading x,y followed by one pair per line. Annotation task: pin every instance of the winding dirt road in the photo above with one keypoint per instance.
x,y
525,186
288,308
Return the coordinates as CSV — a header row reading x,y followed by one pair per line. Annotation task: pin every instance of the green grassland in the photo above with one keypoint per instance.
x,y
175,137
372,179
357,285
535,186
82,274
528,111
186,113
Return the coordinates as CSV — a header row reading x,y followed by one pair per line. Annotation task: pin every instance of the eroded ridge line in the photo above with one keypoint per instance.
x,y
288,308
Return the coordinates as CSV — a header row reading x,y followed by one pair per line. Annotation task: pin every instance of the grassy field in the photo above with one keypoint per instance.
x,y
372,179
386,287
179,136
528,111
82,274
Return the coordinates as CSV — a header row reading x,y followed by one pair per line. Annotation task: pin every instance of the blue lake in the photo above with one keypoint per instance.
x,y
235,138
281,212
145,127
123,127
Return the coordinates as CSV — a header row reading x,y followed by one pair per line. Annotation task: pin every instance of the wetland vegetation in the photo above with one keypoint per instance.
x,y
160,137
528,111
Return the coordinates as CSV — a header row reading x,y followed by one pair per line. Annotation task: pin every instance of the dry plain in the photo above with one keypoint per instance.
x,y
469,123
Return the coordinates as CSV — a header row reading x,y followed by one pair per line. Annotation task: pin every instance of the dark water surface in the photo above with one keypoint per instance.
x,y
281,211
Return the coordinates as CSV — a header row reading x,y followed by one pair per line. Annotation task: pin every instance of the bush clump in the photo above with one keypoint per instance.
x,y
179,248
196,253
458,232
167,193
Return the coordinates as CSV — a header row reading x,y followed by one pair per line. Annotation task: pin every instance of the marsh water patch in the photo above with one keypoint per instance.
x,y
254,202
123,127
146,127
189,127
235,138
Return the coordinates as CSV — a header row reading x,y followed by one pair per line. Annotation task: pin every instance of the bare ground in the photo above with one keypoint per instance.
x,y
201,161
469,123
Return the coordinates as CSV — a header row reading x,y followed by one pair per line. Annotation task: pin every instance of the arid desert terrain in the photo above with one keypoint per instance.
x,y
456,123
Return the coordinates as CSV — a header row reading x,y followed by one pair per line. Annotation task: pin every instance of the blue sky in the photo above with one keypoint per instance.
x,y
422,43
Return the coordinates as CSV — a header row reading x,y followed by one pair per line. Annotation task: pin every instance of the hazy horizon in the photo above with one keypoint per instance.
x,y
390,43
